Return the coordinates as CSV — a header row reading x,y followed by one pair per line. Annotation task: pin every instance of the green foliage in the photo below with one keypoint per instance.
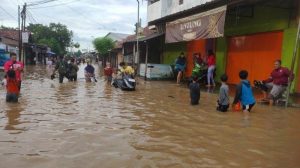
x,y
76,45
103,45
78,53
55,36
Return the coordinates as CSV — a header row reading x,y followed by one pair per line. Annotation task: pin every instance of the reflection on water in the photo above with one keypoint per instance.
x,y
94,125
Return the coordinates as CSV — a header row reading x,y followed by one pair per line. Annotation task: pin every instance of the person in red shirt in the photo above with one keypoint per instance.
x,y
211,63
12,87
16,66
277,82
108,71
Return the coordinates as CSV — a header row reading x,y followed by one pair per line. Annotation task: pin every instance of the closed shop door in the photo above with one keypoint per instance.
x,y
254,53
196,46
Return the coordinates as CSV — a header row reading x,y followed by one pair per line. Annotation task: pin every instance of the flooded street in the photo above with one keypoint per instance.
x,y
94,125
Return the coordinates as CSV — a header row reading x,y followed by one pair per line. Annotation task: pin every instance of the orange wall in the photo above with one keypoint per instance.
x,y
193,47
254,53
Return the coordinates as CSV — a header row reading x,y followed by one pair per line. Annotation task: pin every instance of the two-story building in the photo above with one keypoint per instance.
x,y
245,34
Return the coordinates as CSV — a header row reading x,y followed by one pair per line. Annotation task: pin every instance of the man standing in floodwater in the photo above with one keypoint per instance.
x,y
61,66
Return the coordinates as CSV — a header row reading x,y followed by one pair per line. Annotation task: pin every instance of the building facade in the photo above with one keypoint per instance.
x,y
255,34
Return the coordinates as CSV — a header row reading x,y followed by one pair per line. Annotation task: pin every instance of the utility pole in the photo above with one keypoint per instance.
x,y
137,37
23,16
20,32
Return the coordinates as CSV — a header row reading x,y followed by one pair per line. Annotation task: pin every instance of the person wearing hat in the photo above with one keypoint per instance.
x,y
61,67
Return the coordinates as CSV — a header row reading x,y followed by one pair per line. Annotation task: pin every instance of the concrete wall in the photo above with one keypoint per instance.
x,y
164,8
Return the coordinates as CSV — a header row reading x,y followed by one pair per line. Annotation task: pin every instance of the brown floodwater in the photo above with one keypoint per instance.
x,y
94,125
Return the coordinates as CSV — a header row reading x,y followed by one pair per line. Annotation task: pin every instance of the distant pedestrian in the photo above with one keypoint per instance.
x,y
197,59
72,69
61,67
108,72
223,100
16,66
211,63
180,64
244,93
194,91
89,71
12,87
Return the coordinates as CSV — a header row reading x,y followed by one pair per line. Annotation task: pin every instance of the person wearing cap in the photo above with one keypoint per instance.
x,y
16,66
61,67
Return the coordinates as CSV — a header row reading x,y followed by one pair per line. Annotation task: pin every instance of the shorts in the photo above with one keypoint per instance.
x,y
11,97
276,90
222,108
248,107
179,68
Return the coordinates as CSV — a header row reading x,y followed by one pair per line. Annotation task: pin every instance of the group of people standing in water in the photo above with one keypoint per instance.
x,y
273,88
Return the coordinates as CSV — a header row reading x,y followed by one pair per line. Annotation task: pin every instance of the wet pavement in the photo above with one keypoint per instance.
x,y
95,125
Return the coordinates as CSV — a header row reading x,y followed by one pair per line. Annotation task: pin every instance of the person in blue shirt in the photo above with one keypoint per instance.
x,y
244,93
180,64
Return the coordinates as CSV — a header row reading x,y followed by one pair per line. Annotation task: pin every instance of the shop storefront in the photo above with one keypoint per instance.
x,y
255,53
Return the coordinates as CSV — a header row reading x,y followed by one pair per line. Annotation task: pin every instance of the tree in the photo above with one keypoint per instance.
x,y
76,45
55,36
103,45
78,53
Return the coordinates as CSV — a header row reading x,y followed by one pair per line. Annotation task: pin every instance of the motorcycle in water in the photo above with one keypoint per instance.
x,y
199,71
90,77
126,83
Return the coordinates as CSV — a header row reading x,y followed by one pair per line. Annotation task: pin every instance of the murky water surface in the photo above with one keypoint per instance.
x,y
94,125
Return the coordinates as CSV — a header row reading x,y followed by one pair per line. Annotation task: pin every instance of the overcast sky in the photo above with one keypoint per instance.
x,y
88,19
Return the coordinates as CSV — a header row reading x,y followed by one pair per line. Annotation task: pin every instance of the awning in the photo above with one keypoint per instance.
x,y
50,53
146,38
205,25
152,36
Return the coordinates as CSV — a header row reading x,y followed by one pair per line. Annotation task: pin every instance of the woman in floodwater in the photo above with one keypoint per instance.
x,y
180,64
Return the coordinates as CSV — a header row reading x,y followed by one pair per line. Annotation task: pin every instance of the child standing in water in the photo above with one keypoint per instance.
x,y
223,101
194,91
12,87
108,71
244,93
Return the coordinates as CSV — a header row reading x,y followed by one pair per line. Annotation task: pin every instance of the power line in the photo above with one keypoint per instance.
x,y
41,2
31,15
61,4
8,13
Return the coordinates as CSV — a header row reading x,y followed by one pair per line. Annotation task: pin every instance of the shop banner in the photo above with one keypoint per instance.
x,y
205,25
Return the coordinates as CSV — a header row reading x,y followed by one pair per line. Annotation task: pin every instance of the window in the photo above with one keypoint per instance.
x,y
180,2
